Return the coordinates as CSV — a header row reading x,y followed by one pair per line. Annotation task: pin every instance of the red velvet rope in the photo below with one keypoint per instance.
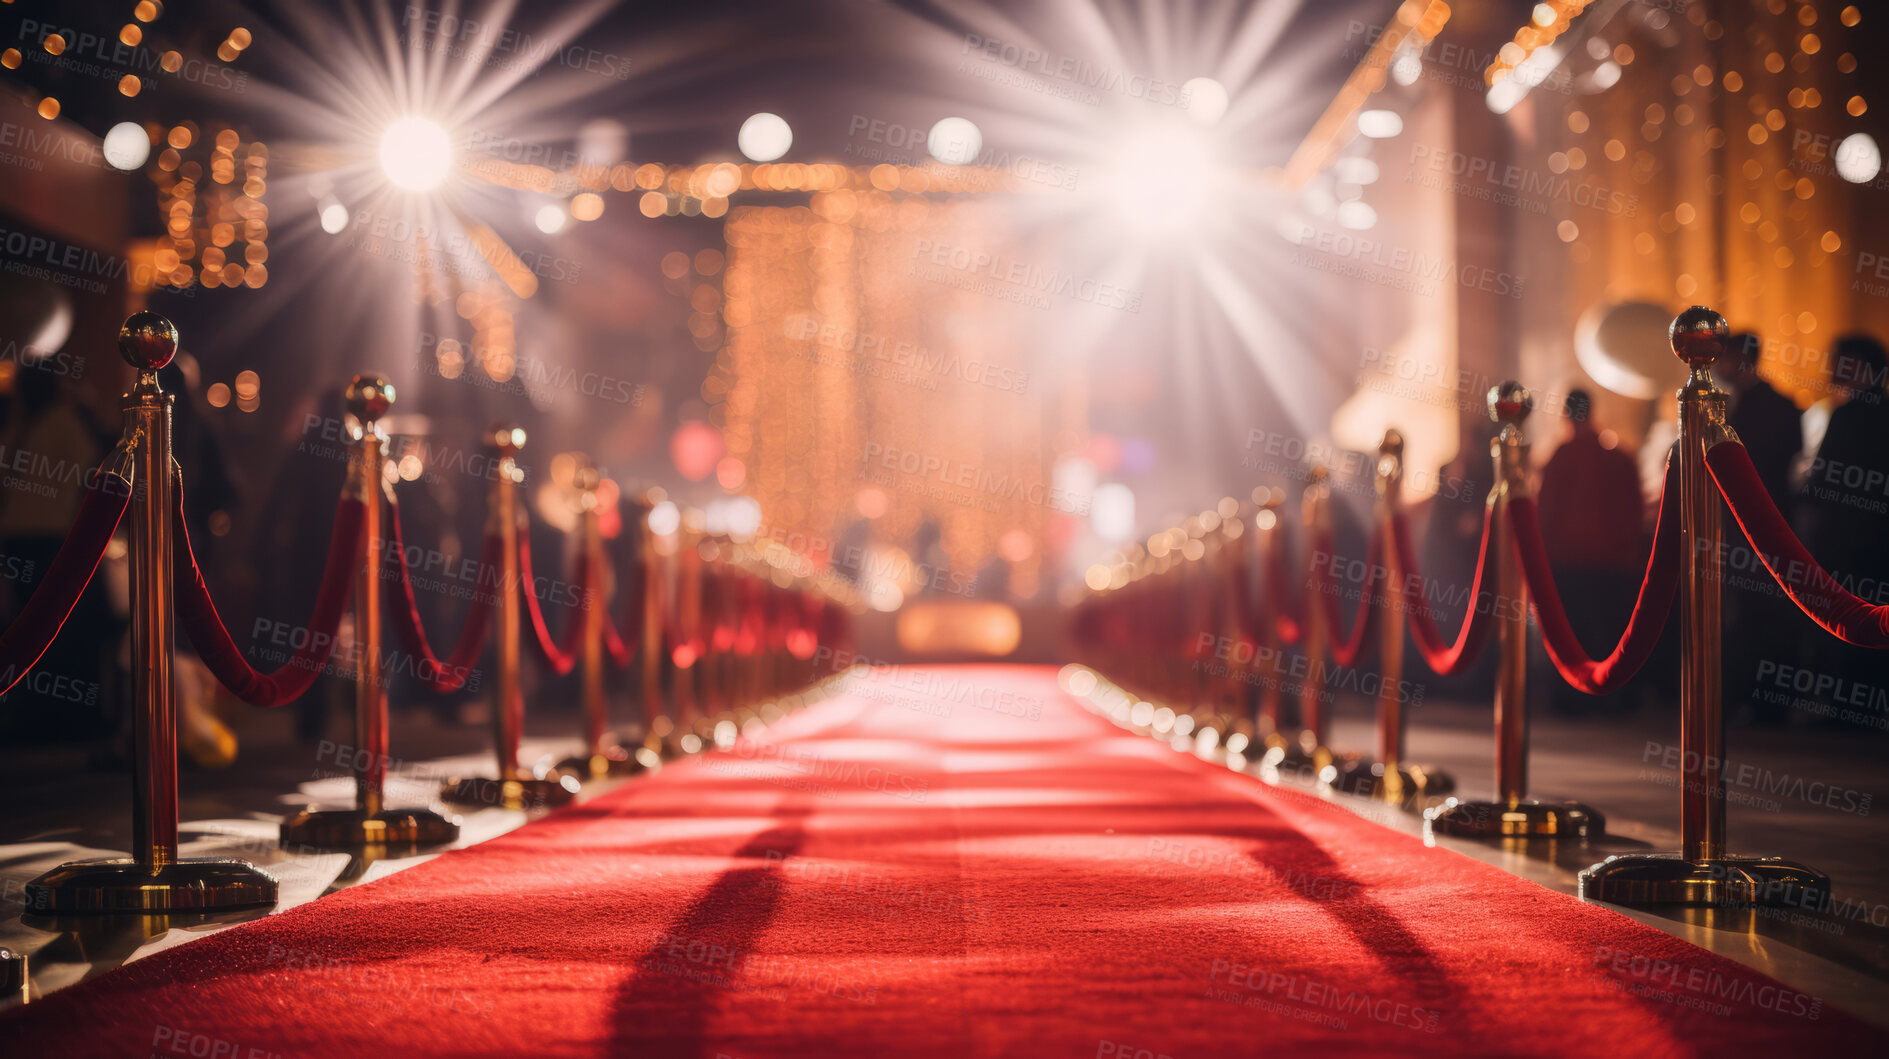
x,y
196,612
1346,650
450,673
45,613
1445,659
1815,592
557,660
1655,601
613,642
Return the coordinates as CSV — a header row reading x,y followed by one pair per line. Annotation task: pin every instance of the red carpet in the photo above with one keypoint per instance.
x,y
975,867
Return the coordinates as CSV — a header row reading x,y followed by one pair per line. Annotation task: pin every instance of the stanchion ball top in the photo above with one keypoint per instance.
x,y
369,397
1393,443
1510,402
147,341
1698,336
507,438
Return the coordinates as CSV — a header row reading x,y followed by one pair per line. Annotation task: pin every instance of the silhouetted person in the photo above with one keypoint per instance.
x,y
1843,512
49,450
1591,528
291,550
1765,420
1772,430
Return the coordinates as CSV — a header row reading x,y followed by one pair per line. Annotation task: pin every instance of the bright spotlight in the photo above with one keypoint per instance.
x,y
551,218
764,137
955,141
334,217
416,154
1206,100
127,145
1164,180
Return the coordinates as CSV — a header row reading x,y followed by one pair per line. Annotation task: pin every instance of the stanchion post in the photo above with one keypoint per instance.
x,y
153,878
1308,752
1390,778
602,755
657,727
512,787
370,825
1266,725
1512,815
1701,872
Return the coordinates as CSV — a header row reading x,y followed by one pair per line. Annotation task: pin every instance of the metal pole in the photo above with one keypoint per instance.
x,y
596,707
153,879
1390,707
1509,405
368,398
1701,727
1312,721
509,704
1701,873
153,626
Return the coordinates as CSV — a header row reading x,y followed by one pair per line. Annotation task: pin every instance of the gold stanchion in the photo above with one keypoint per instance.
x,y
1308,752
153,878
1266,727
512,787
1390,778
690,645
369,825
1513,815
1701,872
658,730
604,756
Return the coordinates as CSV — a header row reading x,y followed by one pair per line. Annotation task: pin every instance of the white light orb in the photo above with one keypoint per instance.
x,y
955,141
334,218
665,518
126,146
1354,170
416,154
551,218
1380,124
1112,512
1407,68
764,137
1858,159
1206,100
1357,216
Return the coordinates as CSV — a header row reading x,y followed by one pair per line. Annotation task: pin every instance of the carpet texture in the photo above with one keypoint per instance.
x,y
949,862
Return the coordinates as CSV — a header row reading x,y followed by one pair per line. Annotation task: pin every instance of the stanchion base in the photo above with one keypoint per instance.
x,y
1361,775
351,829
609,761
1527,819
14,976
1642,879
1301,757
486,792
122,885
